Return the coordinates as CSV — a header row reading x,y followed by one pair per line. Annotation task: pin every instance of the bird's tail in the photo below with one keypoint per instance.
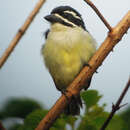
x,y
73,108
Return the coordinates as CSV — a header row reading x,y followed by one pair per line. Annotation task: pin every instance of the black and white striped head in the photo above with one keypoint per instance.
x,y
67,16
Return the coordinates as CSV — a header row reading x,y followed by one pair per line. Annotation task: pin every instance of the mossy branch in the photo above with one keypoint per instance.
x,y
114,36
20,33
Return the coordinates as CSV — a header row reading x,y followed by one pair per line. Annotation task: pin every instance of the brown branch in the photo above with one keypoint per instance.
x,y
74,88
20,32
1,126
99,14
117,106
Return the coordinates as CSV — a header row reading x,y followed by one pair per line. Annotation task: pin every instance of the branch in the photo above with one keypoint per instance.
x,y
99,14
74,88
117,106
20,33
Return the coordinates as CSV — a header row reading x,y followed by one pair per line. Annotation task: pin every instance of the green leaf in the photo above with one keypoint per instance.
x,y
19,107
59,124
125,115
15,127
94,118
69,119
99,119
34,118
86,124
23,127
90,97
116,124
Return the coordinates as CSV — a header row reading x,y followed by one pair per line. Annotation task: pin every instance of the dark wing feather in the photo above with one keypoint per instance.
x,y
46,33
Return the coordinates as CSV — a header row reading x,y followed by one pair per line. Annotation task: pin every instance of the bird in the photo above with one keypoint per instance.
x,y
67,49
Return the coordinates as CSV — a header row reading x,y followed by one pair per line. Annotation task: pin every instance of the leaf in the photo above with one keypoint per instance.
x,y
34,118
59,124
19,107
86,124
69,119
116,124
23,127
90,97
99,119
62,121
15,127
95,118
125,115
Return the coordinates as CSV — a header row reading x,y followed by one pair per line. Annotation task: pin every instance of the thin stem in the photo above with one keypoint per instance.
x,y
20,33
117,106
99,14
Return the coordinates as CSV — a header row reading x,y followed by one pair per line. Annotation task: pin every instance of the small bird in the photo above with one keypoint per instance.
x,y
67,49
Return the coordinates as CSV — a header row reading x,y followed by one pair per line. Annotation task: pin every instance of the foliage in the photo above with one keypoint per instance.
x,y
92,119
95,115
15,127
32,120
19,107
125,115
90,98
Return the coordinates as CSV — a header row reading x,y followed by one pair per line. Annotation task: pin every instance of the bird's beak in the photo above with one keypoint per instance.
x,y
51,18
48,17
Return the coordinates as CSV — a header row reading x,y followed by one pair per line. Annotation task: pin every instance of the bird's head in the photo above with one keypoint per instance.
x,y
67,16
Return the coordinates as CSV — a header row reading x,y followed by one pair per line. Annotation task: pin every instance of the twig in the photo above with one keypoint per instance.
x,y
20,33
1,126
117,106
99,14
74,88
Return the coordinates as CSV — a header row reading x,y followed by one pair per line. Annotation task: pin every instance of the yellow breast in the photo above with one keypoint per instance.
x,y
66,51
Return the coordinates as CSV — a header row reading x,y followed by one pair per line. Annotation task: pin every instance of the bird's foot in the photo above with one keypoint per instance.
x,y
64,93
86,64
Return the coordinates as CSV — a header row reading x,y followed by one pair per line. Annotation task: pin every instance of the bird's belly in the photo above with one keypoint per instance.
x,y
65,52
65,75
63,66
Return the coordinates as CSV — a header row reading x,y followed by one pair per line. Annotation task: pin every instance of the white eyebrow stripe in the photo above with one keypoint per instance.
x,y
65,20
74,14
